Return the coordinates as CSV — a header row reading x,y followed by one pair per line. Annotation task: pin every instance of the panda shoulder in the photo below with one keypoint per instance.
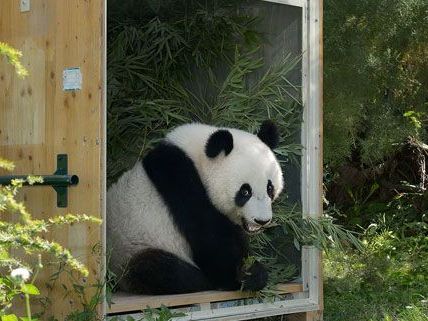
x,y
190,135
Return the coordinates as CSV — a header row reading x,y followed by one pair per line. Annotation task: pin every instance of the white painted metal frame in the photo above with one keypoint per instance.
x,y
312,141
311,180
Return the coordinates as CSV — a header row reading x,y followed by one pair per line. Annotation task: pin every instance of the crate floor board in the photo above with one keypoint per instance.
x,y
126,302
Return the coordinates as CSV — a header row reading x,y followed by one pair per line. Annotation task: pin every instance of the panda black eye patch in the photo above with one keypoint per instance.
x,y
270,189
243,195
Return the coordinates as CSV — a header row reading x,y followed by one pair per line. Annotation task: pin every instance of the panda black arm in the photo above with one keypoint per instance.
x,y
218,245
228,273
220,255
255,277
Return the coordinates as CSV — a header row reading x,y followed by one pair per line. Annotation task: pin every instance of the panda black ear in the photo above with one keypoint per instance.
x,y
269,134
221,140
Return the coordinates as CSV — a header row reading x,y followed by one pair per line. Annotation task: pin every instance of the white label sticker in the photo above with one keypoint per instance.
x,y
72,79
25,5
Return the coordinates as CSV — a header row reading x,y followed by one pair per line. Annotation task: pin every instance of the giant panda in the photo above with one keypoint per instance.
x,y
179,220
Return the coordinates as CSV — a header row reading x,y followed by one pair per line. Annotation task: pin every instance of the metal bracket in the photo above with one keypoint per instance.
x,y
60,180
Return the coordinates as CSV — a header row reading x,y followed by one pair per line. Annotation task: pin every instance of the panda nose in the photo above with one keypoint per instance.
x,y
261,222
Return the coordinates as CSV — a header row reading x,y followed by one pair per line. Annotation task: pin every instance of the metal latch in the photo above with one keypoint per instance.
x,y
60,180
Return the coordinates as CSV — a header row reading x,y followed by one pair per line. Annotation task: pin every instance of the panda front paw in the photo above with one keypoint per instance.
x,y
255,278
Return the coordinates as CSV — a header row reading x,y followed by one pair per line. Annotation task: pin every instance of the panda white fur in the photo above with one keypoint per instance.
x,y
178,221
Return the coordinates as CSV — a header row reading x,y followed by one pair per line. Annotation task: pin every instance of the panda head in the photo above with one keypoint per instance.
x,y
238,169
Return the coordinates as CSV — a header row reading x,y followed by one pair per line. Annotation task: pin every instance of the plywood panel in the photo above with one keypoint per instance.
x,y
124,302
38,120
29,90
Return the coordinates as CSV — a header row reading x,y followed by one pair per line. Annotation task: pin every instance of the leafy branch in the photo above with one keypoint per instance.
x,y
25,233
14,58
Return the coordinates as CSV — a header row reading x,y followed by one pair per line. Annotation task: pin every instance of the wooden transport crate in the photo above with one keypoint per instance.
x,y
40,119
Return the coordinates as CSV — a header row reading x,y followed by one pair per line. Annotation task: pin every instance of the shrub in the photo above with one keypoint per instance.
x,y
376,67
19,231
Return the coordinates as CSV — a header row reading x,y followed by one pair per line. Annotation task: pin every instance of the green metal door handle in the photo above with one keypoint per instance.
x,y
60,180
52,180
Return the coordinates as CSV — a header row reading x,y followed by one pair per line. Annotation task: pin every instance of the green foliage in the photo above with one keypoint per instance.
x,y
385,281
399,214
320,232
24,232
411,313
13,286
376,81
177,63
149,314
89,296
273,246
152,59
19,231
13,56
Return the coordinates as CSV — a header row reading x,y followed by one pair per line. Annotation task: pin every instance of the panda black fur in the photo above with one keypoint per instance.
x,y
177,222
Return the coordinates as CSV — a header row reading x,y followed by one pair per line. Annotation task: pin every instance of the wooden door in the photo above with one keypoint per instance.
x,y
39,119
